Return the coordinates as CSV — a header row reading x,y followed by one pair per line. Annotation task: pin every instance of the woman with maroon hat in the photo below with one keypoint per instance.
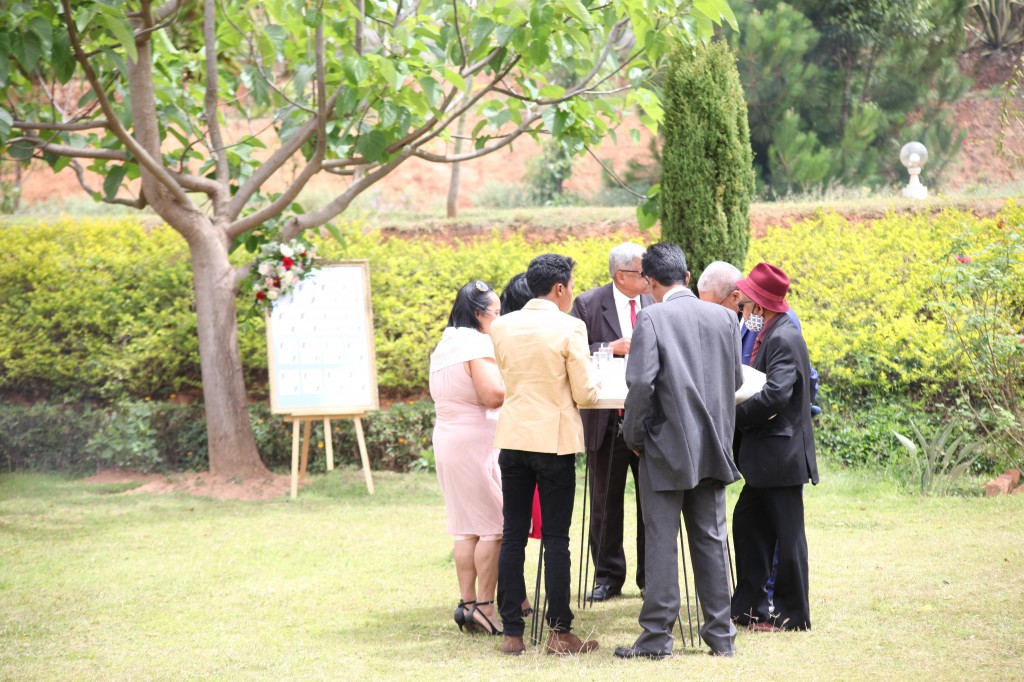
x,y
775,454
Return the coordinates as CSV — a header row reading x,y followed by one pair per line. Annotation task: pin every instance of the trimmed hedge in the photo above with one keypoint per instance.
x,y
159,436
102,309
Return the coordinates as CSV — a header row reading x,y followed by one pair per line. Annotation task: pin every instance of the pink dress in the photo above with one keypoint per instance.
x,y
467,464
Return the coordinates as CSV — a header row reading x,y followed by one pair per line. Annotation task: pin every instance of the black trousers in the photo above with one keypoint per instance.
x,y
764,517
607,509
555,476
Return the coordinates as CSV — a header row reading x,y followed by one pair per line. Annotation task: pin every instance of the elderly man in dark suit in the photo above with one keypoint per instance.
x,y
683,372
609,313
777,457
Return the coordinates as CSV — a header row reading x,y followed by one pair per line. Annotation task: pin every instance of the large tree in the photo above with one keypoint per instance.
x,y
168,100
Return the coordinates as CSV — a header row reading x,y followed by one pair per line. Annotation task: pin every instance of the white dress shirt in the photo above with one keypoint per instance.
x,y
622,309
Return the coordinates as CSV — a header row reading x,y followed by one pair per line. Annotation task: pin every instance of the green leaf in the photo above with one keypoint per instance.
x,y
6,121
63,59
123,33
647,213
579,12
28,50
455,79
355,69
480,30
335,232
21,150
372,146
112,183
313,18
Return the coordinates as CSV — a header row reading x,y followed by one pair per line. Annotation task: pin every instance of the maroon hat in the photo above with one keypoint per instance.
x,y
766,285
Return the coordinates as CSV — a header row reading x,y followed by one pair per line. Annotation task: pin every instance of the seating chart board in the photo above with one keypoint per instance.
x,y
321,355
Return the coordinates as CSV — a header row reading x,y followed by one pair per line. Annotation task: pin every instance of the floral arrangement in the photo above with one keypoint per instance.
x,y
279,268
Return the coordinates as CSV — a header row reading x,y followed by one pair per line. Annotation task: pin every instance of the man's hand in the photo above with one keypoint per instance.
x,y
620,347
638,453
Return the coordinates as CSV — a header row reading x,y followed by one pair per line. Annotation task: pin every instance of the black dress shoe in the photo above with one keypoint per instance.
x,y
639,652
602,592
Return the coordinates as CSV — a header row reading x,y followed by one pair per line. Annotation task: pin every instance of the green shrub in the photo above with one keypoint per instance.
x,y
46,437
707,179
982,288
862,292
140,435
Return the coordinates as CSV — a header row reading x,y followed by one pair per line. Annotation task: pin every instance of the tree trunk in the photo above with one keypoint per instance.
x,y
231,442
453,188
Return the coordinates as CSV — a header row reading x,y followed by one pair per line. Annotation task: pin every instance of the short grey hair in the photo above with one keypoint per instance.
x,y
719,278
622,256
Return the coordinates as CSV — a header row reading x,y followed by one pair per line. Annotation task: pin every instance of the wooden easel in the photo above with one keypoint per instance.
x,y
299,470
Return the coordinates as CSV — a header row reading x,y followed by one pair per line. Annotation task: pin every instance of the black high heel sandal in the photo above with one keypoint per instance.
x,y
473,624
460,613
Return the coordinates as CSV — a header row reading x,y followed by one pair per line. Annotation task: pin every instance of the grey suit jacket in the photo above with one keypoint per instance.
x,y
596,307
779,451
683,372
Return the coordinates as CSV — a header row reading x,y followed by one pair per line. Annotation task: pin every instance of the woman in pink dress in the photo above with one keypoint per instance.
x,y
467,390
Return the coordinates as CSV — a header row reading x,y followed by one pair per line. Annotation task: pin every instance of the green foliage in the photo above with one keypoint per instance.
x,y
707,180
833,87
414,283
149,436
982,286
862,292
92,308
547,174
937,463
46,437
858,432
998,23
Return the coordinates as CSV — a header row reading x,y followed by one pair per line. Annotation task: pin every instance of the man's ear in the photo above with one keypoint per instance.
x,y
686,282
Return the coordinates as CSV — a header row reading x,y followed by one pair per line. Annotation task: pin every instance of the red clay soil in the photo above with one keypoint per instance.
x,y
202,484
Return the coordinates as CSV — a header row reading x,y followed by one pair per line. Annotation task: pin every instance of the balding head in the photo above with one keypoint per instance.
x,y
717,284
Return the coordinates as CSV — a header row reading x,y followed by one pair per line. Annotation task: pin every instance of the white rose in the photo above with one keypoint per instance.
x,y
265,268
272,294
286,251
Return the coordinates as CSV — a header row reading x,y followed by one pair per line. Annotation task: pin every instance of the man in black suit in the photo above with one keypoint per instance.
x,y
776,456
609,313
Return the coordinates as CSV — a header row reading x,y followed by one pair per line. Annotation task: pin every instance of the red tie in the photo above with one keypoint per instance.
x,y
632,312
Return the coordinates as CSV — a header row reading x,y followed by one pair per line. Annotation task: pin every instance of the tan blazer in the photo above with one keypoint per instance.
x,y
544,361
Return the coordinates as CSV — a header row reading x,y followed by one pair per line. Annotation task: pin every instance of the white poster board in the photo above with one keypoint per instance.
x,y
321,356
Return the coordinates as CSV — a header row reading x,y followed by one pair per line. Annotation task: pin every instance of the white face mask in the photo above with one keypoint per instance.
x,y
755,323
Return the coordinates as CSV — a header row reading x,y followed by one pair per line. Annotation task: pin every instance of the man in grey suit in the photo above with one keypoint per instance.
x,y
683,372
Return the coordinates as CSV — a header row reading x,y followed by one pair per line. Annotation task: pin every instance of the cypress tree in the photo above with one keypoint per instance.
x,y
707,176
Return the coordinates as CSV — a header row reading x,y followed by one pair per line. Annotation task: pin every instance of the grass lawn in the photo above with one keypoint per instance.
x,y
96,585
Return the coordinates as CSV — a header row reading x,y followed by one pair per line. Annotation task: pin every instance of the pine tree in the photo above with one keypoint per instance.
x,y
707,179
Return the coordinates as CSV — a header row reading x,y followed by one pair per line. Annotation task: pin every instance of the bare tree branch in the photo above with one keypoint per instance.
x,y
281,203
133,203
221,171
613,176
63,127
73,152
136,149
458,31
162,13
505,140
296,224
276,160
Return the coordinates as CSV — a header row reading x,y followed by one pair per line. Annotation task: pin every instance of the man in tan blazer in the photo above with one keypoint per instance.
x,y
544,360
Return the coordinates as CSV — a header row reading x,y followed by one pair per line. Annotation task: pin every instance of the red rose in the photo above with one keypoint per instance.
x,y
260,296
287,263
964,259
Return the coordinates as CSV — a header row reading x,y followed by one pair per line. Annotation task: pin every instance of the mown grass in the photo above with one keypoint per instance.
x,y
341,585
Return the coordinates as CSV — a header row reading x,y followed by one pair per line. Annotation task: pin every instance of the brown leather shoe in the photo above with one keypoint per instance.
x,y
513,646
564,643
